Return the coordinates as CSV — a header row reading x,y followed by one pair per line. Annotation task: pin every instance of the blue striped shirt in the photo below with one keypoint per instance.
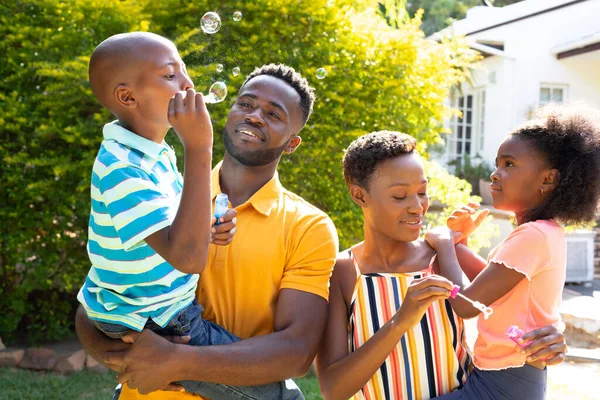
x,y
135,192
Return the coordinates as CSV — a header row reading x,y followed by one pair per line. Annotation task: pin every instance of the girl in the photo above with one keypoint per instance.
x,y
546,170
390,332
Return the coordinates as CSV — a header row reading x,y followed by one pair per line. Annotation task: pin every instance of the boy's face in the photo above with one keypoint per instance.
x,y
161,75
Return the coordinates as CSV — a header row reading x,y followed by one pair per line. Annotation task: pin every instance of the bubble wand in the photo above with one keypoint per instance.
x,y
487,311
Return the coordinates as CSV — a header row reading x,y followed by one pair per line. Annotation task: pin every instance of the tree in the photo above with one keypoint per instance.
x,y
439,14
379,77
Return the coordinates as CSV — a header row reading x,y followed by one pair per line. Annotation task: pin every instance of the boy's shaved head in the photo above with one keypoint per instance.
x,y
117,61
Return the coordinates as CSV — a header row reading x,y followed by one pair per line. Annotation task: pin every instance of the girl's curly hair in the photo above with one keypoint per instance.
x,y
568,138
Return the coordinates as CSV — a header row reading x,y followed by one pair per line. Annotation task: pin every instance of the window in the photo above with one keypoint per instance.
x,y
468,129
552,93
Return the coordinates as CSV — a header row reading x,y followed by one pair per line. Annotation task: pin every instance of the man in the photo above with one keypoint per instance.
x,y
270,285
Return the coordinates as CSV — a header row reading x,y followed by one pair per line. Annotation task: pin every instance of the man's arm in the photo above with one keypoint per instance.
x,y
95,342
153,362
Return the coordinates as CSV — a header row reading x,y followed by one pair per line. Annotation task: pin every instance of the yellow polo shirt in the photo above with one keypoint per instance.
x,y
282,241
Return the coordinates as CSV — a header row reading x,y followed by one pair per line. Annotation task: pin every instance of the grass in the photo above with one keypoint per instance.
x,y
18,384
567,381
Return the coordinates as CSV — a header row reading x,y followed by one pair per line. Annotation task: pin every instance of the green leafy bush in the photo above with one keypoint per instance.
x,y
379,77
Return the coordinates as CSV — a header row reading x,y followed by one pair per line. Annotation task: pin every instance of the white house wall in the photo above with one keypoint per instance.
x,y
529,62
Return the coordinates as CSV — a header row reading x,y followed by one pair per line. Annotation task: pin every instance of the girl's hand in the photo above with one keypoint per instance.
x,y
222,234
420,295
548,345
466,219
440,235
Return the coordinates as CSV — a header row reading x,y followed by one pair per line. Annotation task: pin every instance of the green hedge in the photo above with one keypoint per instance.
x,y
378,78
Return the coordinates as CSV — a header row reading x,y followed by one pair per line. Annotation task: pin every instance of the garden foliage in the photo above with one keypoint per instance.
x,y
379,77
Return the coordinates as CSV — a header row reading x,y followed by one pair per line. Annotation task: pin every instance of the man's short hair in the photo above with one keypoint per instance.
x,y
294,79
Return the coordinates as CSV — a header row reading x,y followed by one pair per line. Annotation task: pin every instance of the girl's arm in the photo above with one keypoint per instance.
x,y
340,374
492,283
471,263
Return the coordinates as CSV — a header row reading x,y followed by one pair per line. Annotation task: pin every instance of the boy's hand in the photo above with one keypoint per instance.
x,y
222,234
441,234
190,120
466,219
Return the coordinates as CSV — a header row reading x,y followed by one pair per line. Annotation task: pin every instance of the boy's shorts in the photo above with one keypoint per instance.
x,y
179,325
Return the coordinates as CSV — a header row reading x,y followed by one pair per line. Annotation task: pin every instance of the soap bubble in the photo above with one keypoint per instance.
x,y
210,22
235,71
216,93
219,67
321,73
237,16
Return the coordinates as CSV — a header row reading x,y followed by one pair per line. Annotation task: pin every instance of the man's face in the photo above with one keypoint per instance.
x,y
264,122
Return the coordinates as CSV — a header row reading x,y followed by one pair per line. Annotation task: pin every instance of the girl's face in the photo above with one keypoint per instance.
x,y
520,174
397,200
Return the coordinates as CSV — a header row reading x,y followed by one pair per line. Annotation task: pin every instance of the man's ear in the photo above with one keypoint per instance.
x,y
293,144
359,195
124,96
551,180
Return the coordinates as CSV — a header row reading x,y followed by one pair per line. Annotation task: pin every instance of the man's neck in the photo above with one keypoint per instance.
x,y
240,182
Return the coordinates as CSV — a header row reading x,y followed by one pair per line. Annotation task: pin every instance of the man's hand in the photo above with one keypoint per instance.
x,y
190,120
466,219
548,345
222,234
145,366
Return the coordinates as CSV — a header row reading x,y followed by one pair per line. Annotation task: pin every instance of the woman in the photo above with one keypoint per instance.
x,y
390,332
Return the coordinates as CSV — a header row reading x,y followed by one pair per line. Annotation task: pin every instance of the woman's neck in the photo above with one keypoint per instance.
x,y
380,253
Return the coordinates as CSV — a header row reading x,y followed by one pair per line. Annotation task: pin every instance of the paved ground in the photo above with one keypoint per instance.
x,y
574,381
577,289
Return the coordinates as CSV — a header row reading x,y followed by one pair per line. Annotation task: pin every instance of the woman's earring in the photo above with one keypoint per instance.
x,y
542,191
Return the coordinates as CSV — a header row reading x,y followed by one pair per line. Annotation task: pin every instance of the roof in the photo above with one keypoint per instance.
x,y
480,19
581,45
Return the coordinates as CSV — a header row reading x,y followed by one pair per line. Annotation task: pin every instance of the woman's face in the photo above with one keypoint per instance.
x,y
397,199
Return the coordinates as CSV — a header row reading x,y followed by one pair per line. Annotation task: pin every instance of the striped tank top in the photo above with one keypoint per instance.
x,y
430,360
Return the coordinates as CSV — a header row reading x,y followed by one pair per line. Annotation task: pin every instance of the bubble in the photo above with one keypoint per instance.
x,y
60,28
237,16
35,54
216,93
210,22
219,67
235,71
321,73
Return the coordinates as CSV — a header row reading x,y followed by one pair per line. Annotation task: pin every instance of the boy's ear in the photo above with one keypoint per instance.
x,y
124,96
550,180
359,195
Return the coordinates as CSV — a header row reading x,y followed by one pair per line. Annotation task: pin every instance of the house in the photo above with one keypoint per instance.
x,y
534,52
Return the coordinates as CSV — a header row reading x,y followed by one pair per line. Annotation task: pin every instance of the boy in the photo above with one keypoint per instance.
x,y
148,236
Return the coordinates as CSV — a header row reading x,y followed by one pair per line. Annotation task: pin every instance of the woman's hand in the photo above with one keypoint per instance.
x,y
420,295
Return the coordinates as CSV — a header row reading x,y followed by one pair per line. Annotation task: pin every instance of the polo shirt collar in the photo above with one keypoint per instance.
x,y
262,201
114,131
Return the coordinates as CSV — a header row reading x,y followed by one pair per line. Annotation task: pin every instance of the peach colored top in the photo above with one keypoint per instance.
x,y
537,250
